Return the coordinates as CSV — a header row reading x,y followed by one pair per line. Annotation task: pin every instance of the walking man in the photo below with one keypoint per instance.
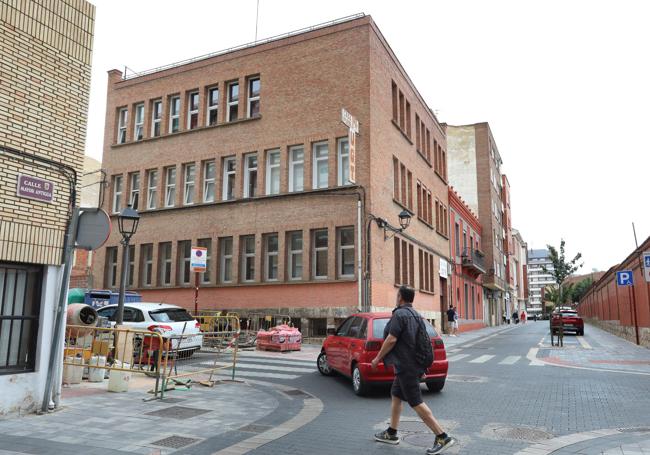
x,y
398,350
452,319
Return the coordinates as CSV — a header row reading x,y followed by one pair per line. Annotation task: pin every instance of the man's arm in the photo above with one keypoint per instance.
x,y
389,344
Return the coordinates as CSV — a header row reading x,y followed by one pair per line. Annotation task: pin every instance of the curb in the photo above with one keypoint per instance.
x,y
551,445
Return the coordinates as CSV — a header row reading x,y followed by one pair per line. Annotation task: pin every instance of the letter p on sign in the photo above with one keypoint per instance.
x,y
624,278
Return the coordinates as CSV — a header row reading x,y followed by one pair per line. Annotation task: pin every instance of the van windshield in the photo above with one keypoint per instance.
x,y
170,315
378,326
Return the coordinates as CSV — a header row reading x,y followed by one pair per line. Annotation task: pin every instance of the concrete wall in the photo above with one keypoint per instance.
x,y
461,141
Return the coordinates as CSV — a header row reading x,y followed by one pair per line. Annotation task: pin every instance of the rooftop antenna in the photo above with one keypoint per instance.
x,y
257,16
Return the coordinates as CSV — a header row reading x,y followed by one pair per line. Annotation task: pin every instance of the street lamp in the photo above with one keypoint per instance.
x,y
127,222
404,219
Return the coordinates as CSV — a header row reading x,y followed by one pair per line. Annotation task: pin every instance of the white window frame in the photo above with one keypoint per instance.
x,y
166,262
191,111
152,189
174,115
111,275
138,123
251,98
342,156
230,102
135,178
212,107
122,124
315,251
156,121
292,168
226,174
316,147
207,244
272,172
247,174
117,193
209,182
292,255
170,187
223,258
340,250
147,260
189,183
246,255
271,254
184,261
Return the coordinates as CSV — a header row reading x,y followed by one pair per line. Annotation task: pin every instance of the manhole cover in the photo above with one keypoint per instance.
x,y
255,428
420,439
635,430
297,393
175,442
178,412
516,433
465,378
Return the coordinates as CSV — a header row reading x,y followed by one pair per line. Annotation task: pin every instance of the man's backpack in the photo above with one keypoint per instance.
x,y
423,349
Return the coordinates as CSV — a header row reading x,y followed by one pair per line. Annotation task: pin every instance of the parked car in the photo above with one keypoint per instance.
x,y
571,321
357,341
169,320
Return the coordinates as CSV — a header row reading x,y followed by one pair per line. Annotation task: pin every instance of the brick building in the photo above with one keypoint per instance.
x,y
45,48
468,263
244,152
519,270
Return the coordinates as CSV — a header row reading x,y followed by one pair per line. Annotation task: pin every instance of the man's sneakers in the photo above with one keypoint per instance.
x,y
441,445
386,437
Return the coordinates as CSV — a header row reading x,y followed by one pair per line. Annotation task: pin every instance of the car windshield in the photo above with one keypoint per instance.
x,y
170,315
569,313
378,326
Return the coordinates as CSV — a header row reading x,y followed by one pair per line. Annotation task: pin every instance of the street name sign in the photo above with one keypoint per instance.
x,y
646,265
353,129
34,188
625,278
199,259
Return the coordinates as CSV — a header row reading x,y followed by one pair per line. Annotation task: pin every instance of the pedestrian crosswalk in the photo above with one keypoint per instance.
x,y
250,367
488,359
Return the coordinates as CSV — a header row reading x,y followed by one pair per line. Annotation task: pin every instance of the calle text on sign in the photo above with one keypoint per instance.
x,y
34,188
353,129
199,259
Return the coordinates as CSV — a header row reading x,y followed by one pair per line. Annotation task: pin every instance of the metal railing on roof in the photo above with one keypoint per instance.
x,y
244,46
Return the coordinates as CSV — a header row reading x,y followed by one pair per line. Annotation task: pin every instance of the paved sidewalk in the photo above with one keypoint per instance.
x,y
467,338
620,441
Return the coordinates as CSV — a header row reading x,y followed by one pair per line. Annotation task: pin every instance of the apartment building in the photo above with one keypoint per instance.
x,y
45,48
475,173
519,270
468,263
538,279
244,153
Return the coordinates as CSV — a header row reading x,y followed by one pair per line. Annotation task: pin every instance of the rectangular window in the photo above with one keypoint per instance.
x,y
418,194
319,254
294,263
165,264
271,257
111,267
273,172
225,259
402,123
192,110
131,273
233,101
213,106
207,244
174,114
296,168
408,119
395,102
156,118
122,121
184,259
170,186
417,133
345,252
343,161
152,189
189,178
457,239
396,186
228,191
117,194
138,128
409,189
247,258
209,175
146,264
397,259
321,168
428,146
250,175
134,196
253,97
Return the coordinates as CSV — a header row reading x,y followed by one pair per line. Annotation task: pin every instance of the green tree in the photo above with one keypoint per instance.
x,y
552,294
562,268
580,289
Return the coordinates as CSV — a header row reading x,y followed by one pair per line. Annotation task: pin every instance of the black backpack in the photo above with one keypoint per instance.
x,y
423,349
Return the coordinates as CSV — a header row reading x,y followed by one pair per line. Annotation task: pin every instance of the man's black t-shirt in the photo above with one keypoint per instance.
x,y
404,327
450,315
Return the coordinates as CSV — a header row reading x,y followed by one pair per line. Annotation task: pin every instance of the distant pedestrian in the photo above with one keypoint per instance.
x,y
398,350
452,319
515,317
523,316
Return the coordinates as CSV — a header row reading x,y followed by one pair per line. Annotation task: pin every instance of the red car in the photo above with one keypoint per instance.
x,y
358,340
571,321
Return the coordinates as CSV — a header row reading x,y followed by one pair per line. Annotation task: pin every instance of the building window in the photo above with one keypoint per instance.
x,y
131,272
228,192
138,131
170,186
345,256
271,257
343,152
156,117
321,168
250,175
254,97
207,244
225,259
426,271
165,264
233,101
248,258
146,264
117,193
294,263
213,106
134,196
192,110
209,175
395,101
296,168
404,262
174,114
111,267
123,119
184,259
319,254
152,189
273,172
189,181
457,239
20,305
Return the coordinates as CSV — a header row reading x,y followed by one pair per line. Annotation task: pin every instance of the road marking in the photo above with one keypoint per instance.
x,y
257,374
532,356
482,359
457,357
583,342
297,363
257,366
510,360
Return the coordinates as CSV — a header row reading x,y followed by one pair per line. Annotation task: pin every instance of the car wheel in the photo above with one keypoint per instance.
x,y
436,385
323,365
359,386
581,332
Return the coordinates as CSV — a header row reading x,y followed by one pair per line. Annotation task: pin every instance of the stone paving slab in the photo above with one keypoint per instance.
x,y
606,441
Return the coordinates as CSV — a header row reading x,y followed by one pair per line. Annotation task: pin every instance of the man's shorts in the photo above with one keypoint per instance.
x,y
406,387
453,324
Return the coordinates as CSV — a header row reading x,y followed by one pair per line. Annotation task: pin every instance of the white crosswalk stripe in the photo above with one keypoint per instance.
x,y
510,360
259,366
257,374
482,359
296,363
457,357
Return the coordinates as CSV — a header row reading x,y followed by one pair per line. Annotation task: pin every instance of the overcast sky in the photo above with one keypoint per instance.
x,y
565,86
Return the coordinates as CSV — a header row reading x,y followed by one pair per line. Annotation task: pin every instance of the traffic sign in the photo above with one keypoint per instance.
x,y
199,258
646,266
625,278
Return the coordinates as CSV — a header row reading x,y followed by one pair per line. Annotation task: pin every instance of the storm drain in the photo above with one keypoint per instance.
x,y
515,433
178,412
255,428
297,393
175,442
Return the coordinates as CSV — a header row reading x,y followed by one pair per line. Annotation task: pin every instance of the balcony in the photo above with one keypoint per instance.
x,y
492,281
473,261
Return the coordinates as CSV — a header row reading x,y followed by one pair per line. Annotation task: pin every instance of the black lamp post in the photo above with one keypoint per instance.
x,y
404,219
127,222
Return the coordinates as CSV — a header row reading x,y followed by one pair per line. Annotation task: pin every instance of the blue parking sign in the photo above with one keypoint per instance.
x,y
625,278
646,258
